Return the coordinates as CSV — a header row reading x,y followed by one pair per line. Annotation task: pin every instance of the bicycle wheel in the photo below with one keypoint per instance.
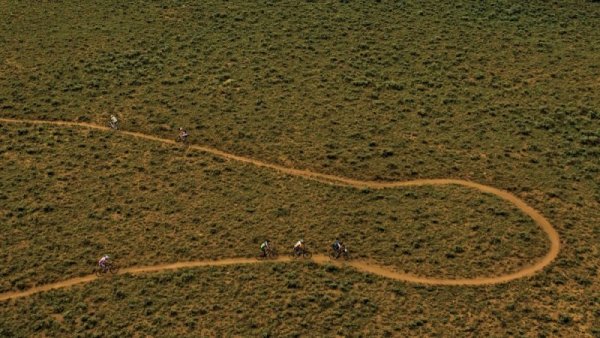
x,y
307,254
346,255
114,268
273,254
97,272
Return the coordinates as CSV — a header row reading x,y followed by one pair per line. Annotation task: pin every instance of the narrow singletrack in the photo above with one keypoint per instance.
x,y
368,267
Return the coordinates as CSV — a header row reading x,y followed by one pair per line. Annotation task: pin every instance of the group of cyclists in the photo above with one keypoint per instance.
x,y
113,123
338,248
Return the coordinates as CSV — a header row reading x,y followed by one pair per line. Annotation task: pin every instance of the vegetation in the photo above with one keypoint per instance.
x,y
503,93
286,300
71,195
367,89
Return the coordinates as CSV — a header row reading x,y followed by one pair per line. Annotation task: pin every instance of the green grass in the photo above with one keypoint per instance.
x,y
285,300
372,90
72,195
503,93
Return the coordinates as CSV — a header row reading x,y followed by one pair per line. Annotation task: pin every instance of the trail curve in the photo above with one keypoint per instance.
x,y
535,215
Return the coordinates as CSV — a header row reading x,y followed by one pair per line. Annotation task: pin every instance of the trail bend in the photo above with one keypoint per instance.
x,y
364,266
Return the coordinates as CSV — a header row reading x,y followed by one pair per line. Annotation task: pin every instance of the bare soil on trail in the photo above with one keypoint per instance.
x,y
364,266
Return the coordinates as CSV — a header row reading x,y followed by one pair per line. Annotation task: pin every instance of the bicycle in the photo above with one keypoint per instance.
x,y
269,253
302,253
336,254
182,139
113,125
110,267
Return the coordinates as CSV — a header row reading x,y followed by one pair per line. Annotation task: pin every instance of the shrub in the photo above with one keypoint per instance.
x,y
394,85
565,319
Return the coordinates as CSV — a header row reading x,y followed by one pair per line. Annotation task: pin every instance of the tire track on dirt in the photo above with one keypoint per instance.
x,y
363,266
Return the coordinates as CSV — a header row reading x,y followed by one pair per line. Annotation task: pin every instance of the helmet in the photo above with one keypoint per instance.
x,y
302,241
107,256
180,128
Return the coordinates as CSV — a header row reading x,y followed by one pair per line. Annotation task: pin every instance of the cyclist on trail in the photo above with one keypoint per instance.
x,y
339,249
104,262
113,122
299,247
337,246
264,248
183,134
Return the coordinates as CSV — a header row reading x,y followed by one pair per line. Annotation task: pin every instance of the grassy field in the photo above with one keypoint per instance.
x,y
71,195
504,93
287,300
365,89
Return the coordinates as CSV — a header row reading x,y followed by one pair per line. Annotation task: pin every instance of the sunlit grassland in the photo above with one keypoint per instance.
x,y
504,93
282,300
71,195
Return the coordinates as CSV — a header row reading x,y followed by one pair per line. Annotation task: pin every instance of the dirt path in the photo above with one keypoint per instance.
x,y
368,267
136,270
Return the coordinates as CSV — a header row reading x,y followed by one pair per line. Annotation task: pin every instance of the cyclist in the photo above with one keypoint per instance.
x,y
104,262
183,134
299,247
113,122
264,248
338,247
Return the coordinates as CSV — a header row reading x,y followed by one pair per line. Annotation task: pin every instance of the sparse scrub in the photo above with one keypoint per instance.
x,y
292,299
501,93
136,191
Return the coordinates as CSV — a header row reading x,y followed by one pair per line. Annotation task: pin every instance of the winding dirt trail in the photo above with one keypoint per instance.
x,y
368,267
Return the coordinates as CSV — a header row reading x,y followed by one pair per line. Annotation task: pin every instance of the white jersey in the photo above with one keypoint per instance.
x,y
298,245
103,260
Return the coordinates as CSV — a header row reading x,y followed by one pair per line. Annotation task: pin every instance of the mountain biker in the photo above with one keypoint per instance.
x,y
299,247
183,134
104,262
337,246
113,121
264,247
